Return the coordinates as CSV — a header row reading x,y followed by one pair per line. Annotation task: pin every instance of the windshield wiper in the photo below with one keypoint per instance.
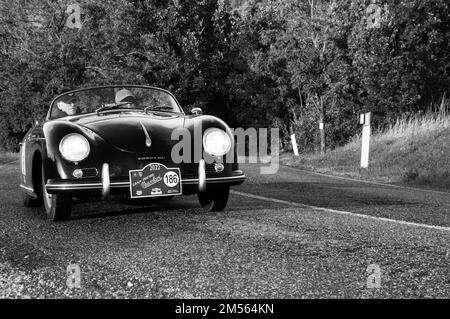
x,y
158,108
107,107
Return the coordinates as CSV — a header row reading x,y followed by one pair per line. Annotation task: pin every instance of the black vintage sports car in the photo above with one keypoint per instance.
x,y
126,141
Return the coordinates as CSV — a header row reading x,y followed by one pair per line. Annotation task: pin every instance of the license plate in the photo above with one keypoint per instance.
x,y
155,180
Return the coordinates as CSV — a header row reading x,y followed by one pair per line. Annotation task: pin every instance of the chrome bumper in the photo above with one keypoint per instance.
x,y
201,176
106,185
106,180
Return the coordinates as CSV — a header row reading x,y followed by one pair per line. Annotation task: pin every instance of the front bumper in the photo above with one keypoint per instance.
x,y
108,185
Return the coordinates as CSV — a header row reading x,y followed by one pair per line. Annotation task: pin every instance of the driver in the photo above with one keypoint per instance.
x,y
125,96
69,105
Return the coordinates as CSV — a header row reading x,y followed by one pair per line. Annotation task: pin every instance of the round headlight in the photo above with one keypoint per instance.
x,y
74,147
216,142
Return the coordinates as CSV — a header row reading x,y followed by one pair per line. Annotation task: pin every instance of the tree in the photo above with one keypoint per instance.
x,y
402,64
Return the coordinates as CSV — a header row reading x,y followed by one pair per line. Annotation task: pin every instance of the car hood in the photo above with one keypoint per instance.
x,y
125,130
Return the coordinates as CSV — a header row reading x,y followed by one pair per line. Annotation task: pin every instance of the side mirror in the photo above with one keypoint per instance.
x,y
197,111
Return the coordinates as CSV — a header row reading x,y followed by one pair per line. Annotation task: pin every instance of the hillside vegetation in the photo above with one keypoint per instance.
x,y
411,151
290,64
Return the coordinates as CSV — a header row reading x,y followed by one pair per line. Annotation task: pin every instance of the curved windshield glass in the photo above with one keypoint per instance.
x,y
121,98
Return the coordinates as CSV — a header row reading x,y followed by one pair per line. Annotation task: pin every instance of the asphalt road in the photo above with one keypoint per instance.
x,y
290,235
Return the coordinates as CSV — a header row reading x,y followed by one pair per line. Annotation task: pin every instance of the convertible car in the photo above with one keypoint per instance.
x,y
118,141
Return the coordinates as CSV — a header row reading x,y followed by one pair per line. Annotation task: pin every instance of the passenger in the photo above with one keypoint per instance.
x,y
125,96
69,105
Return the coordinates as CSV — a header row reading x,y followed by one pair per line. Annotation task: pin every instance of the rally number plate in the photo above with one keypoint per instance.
x,y
155,180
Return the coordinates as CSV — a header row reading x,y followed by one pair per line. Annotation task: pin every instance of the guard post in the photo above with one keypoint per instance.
x,y
365,143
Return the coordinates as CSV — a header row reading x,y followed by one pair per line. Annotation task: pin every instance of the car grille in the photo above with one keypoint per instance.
x,y
90,172
209,169
192,171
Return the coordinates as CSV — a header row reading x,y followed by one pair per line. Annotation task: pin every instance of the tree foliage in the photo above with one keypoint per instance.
x,y
288,64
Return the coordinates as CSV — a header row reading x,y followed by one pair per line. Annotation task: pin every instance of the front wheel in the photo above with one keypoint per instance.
x,y
214,199
57,206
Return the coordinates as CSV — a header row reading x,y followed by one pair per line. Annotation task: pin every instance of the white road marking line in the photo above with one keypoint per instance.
x,y
267,160
366,182
16,160
341,212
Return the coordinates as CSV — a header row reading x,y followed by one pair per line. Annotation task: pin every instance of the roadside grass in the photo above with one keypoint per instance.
x,y
6,157
414,150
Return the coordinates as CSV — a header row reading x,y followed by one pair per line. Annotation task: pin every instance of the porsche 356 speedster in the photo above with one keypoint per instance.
x,y
119,141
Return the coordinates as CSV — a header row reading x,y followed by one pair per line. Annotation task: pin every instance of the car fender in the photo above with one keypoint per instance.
x,y
201,123
55,166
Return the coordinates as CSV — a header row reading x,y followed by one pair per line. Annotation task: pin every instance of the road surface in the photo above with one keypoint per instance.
x,y
290,235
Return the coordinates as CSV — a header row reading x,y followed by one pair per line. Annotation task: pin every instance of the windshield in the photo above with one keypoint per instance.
x,y
113,98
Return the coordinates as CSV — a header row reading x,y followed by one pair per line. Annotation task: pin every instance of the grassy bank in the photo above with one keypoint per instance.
x,y
412,151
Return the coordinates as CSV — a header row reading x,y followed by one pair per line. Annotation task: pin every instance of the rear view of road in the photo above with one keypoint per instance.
x,y
289,235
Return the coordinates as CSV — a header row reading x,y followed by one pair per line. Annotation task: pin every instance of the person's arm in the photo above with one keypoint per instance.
x,y
62,106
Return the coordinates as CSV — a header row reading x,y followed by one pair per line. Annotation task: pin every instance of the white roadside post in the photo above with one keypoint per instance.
x,y
322,137
294,144
365,145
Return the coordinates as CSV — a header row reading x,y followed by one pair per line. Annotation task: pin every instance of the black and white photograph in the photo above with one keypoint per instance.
x,y
224,155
